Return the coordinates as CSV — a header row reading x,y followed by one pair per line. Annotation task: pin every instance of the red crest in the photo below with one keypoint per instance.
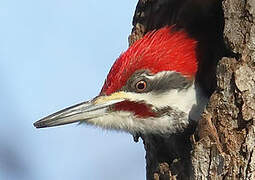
x,y
159,50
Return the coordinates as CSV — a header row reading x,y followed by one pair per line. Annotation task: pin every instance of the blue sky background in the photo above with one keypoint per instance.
x,y
53,54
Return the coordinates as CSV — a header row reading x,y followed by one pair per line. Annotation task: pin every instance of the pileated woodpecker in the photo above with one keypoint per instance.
x,y
150,89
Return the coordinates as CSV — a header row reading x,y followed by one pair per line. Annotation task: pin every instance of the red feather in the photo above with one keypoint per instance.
x,y
139,109
159,50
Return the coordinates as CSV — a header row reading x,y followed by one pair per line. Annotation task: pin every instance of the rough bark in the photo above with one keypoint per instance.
x,y
222,147
226,131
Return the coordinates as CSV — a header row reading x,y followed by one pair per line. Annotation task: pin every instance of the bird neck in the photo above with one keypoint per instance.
x,y
201,101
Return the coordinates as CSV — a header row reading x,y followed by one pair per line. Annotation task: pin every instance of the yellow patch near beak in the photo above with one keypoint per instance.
x,y
115,96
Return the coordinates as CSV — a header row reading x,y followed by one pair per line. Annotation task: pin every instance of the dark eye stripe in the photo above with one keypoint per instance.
x,y
170,81
158,83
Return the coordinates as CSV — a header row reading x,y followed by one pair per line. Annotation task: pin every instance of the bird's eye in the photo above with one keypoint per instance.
x,y
141,86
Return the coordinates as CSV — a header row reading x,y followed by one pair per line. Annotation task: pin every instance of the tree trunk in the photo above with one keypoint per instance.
x,y
222,145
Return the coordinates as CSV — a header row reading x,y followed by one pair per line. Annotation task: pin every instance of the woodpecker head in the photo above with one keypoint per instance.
x,y
149,89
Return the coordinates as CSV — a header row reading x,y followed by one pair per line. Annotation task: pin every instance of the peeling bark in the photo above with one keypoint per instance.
x,y
224,142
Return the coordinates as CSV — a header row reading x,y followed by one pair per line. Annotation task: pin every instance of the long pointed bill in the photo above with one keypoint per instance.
x,y
81,112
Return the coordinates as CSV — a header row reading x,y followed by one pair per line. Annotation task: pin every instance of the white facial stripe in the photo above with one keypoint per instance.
x,y
158,75
125,121
182,100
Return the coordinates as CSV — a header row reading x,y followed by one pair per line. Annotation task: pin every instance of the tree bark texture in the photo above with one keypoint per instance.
x,y
223,144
